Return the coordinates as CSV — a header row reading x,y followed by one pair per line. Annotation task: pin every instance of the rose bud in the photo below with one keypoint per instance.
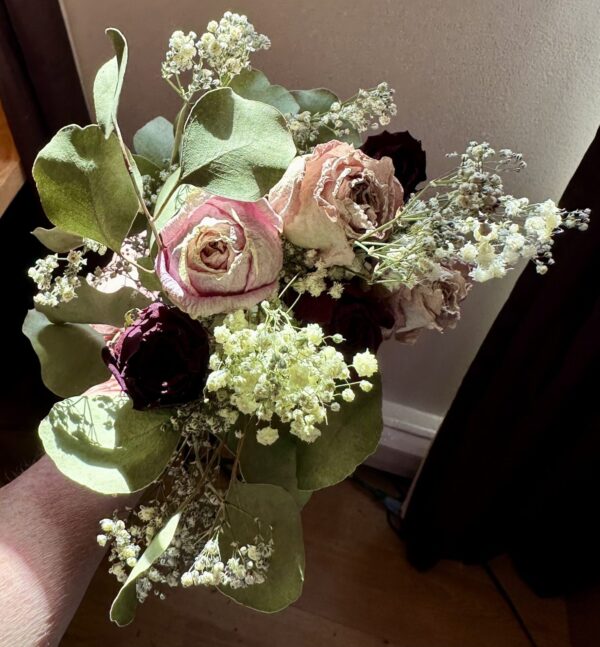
x,y
406,154
220,255
333,196
161,359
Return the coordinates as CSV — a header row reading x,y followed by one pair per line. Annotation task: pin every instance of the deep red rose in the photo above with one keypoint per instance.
x,y
358,316
161,359
406,153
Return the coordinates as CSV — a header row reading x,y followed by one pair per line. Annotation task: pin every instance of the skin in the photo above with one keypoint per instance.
x,y
48,553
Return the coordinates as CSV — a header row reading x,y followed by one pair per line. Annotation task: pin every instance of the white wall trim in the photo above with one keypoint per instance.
x,y
406,437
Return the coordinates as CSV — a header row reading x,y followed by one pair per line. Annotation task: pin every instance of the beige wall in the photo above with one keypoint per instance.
x,y
521,73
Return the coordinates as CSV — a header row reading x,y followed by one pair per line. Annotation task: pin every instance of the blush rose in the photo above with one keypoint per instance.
x,y
220,255
333,196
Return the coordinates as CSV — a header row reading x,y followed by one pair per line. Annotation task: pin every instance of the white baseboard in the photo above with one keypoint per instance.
x,y
407,435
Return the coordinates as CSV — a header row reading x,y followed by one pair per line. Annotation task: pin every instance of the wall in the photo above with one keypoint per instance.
x,y
522,74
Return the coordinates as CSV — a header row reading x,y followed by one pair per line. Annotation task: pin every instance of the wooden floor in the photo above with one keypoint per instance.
x,y
359,592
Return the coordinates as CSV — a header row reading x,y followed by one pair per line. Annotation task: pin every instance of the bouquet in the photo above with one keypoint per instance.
x,y
221,356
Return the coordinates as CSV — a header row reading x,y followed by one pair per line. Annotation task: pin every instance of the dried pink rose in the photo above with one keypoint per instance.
x,y
334,195
220,255
434,305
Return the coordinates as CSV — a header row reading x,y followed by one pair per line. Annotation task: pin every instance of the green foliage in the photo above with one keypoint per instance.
x,y
101,442
145,166
84,185
56,240
149,281
350,436
109,82
235,147
94,306
154,141
276,508
253,84
122,610
69,354
316,100
275,464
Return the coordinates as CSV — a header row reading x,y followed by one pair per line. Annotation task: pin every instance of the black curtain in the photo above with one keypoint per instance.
x,y
515,466
40,92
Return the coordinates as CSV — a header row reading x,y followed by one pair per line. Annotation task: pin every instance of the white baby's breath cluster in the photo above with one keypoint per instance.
x,y
275,370
221,53
367,109
55,288
247,566
470,220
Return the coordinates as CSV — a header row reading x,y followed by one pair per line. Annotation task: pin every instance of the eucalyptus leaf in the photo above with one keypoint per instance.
x,y
101,442
109,82
318,100
145,166
69,354
155,141
235,147
84,185
275,464
274,507
94,306
56,240
253,84
350,436
123,608
149,281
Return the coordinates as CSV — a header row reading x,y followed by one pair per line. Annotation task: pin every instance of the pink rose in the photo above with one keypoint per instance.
x,y
220,255
334,195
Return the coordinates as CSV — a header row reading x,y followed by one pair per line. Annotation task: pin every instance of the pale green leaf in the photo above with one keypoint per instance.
x,y
274,464
145,166
94,306
123,607
318,100
101,442
69,354
155,141
235,147
253,84
57,240
350,437
109,82
274,507
84,185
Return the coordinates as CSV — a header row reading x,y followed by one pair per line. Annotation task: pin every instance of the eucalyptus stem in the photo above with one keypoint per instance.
x,y
181,119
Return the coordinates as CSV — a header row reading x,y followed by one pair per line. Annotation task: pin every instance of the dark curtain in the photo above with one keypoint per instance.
x,y
40,92
515,466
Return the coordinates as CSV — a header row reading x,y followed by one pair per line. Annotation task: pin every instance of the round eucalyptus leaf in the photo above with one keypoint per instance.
x,y
69,354
109,83
101,442
253,84
235,147
315,101
84,185
274,507
56,240
155,141
351,436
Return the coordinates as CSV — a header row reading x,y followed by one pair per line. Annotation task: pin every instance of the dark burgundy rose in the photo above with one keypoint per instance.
x,y
358,316
161,359
407,155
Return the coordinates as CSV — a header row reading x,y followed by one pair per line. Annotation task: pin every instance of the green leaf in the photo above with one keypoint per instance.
x,y
155,141
350,437
145,166
84,186
109,82
275,464
253,84
69,354
56,240
235,147
94,306
274,507
101,442
168,205
123,608
314,101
